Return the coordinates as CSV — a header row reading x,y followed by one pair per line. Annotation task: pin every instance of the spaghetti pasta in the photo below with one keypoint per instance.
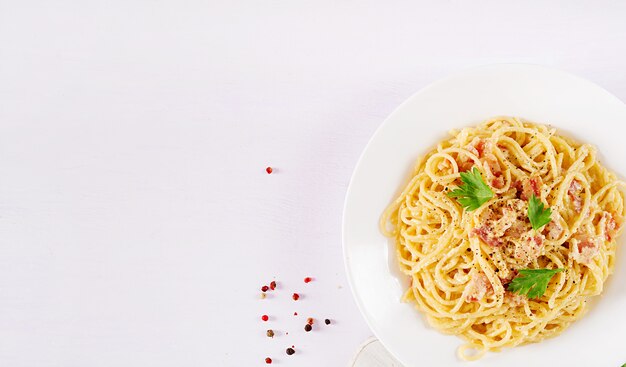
x,y
460,262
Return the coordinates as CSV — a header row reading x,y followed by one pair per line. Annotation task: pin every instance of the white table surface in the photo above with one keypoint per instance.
x,y
137,223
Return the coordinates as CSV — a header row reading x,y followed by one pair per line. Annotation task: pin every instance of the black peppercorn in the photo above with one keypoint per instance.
x,y
290,351
307,328
327,322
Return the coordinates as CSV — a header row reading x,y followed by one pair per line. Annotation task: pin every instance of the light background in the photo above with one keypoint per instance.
x,y
137,223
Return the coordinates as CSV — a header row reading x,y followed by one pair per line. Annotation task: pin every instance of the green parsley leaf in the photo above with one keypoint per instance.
x,y
474,192
532,282
536,213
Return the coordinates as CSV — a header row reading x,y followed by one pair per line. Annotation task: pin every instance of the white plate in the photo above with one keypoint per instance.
x,y
576,107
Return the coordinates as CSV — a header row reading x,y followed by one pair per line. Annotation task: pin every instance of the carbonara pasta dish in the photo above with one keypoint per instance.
x,y
506,230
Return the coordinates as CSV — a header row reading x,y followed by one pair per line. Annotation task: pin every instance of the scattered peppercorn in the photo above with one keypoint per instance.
x,y
308,279
264,288
270,333
265,318
268,360
273,285
295,296
290,351
269,171
327,322
308,328
295,314
309,321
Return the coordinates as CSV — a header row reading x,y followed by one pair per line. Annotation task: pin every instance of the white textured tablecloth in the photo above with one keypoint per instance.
x,y
137,222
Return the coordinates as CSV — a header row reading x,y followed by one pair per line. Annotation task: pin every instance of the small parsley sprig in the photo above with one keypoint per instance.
x,y
474,192
538,216
532,283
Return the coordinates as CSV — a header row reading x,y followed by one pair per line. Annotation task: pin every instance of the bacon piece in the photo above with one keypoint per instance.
x,y
493,166
495,226
575,188
517,230
610,226
511,211
528,186
511,274
477,288
485,149
476,147
587,248
554,231
480,148
498,182
529,248
485,233
465,165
